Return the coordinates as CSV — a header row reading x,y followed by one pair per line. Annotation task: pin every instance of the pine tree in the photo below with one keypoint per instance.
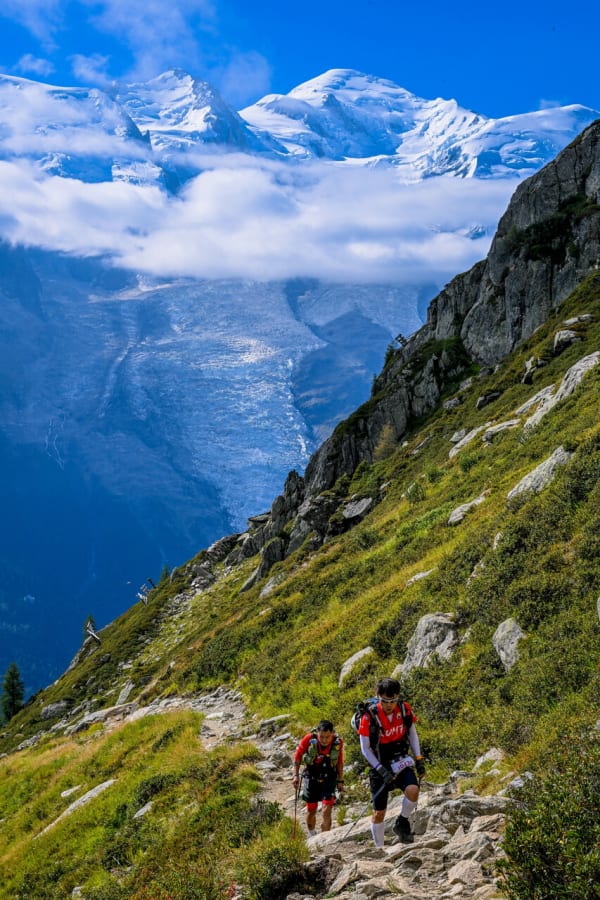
x,y
13,692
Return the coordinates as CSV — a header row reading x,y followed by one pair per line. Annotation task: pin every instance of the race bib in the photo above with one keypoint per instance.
x,y
400,764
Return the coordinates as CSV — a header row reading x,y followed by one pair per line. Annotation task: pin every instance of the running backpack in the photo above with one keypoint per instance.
x,y
375,727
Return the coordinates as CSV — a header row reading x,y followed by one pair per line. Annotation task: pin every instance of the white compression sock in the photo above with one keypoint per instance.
x,y
378,831
408,806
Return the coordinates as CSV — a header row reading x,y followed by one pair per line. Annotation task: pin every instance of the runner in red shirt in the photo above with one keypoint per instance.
x,y
322,753
385,736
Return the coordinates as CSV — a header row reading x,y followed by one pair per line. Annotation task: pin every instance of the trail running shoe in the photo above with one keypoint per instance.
x,y
401,829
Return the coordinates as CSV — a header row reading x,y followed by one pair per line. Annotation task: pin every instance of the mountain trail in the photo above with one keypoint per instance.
x,y
456,833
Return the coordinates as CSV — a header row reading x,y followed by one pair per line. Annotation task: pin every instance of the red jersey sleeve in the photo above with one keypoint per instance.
x,y
409,710
365,725
302,747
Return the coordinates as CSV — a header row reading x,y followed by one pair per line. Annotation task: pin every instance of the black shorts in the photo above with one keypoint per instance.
x,y
317,790
380,792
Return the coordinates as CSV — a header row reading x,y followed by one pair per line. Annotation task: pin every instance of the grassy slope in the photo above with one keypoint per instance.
x,y
285,649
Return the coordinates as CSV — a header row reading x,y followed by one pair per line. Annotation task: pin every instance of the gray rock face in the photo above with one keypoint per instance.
x,y
490,308
54,710
505,640
435,635
480,316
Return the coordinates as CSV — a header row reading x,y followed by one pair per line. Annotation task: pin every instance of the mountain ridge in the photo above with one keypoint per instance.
x,y
341,115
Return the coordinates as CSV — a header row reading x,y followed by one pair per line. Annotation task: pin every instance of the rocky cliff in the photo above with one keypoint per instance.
x,y
546,243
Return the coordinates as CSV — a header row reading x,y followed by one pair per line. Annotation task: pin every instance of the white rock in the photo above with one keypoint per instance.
x,y
536,480
467,439
144,810
493,755
435,634
467,872
351,662
458,514
419,576
573,377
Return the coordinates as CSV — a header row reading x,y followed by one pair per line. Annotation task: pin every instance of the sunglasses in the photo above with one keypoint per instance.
x,y
388,699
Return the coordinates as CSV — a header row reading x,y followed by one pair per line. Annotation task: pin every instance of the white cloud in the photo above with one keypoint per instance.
x,y
263,221
40,17
91,69
29,64
152,36
159,33
244,77
67,215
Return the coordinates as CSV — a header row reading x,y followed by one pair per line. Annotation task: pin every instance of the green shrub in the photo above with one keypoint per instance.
x,y
272,866
466,461
552,837
415,493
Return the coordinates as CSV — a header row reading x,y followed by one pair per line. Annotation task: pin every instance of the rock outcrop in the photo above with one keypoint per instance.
x,y
435,635
546,243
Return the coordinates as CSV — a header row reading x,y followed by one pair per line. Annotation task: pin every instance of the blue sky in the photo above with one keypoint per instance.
x,y
496,59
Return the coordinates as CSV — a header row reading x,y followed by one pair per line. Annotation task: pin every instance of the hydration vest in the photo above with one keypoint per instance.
x,y
312,752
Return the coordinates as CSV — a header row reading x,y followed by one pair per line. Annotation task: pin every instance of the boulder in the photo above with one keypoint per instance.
x,y
486,399
564,339
55,710
505,640
435,635
357,509
458,514
572,379
490,433
460,445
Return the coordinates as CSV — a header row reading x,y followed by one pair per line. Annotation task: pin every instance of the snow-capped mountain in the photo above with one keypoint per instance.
x,y
137,131
347,116
71,132
179,112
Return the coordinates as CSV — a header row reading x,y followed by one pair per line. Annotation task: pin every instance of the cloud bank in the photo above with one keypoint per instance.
x,y
248,218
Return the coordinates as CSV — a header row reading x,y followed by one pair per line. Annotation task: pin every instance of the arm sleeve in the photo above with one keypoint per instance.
x,y
340,762
413,739
367,752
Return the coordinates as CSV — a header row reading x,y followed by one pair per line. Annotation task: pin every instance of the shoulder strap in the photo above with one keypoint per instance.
x,y
376,727
407,717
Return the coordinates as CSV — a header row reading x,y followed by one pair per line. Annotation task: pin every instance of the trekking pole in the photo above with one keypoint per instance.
x,y
372,800
296,792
